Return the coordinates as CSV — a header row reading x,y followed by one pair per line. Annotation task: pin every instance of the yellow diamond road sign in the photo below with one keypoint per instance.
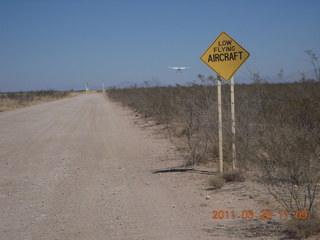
x,y
225,56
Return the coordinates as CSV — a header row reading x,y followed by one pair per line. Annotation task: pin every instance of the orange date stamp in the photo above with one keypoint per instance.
x,y
263,214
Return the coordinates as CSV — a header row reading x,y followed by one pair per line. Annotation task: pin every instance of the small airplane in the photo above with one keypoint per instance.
x,y
179,69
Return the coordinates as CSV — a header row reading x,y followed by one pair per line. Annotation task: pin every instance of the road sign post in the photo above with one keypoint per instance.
x,y
233,124
225,56
220,124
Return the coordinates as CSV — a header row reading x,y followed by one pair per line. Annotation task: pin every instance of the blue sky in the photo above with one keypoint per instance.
x,y
60,44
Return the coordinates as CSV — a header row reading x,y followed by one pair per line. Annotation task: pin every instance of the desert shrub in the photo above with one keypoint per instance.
x,y
216,182
303,228
185,109
287,148
11,100
232,176
262,110
277,131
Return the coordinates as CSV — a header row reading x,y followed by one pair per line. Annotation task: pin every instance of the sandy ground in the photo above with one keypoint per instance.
x,y
81,168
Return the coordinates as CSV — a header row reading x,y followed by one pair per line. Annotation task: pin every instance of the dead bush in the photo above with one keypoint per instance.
x,y
216,181
277,131
303,228
11,100
233,176
262,111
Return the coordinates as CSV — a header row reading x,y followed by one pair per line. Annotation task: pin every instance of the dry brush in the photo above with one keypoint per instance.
x,y
278,131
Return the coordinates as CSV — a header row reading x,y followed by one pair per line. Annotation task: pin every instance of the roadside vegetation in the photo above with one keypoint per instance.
x,y
12,100
277,134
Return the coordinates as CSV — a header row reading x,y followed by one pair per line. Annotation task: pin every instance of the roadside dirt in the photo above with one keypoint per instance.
x,y
82,168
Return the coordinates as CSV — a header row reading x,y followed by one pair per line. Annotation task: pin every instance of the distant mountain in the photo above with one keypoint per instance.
x,y
139,84
126,85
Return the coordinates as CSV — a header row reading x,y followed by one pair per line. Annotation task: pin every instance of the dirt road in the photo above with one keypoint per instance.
x,y
81,168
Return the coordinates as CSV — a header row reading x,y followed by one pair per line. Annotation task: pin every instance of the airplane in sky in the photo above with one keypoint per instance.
x,y
179,69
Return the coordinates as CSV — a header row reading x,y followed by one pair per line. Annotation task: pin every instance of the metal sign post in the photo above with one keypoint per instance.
x,y
220,124
233,125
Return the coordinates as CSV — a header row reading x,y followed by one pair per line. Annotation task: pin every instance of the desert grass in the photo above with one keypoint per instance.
x,y
14,100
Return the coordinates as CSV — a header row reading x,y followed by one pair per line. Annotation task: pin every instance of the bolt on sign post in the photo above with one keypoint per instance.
x,y
225,56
